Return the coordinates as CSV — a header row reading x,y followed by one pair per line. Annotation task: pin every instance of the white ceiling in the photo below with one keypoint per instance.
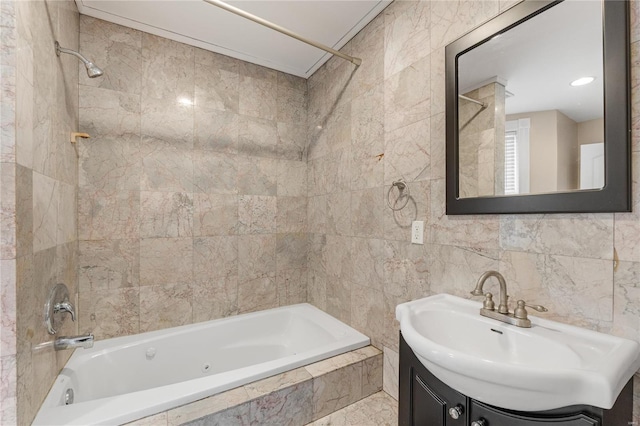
x,y
541,57
200,24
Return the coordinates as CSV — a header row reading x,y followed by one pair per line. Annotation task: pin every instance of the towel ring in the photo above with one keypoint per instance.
x,y
403,192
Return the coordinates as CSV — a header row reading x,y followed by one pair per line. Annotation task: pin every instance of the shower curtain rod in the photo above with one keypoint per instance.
x,y
257,19
466,98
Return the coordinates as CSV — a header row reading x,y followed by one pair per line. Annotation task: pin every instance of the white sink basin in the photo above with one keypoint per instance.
x,y
547,366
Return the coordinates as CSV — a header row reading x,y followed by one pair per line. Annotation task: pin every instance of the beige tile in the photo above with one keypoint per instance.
x,y
579,235
455,270
46,192
216,88
337,389
8,211
166,261
203,407
257,176
215,214
406,269
575,290
215,173
109,312
291,251
277,382
291,214
377,410
165,305
391,372
167,69
216,130
166,167
109,114
478,232
291,178
117,49
156,419
256,214
258,137
372,375
215,257
258,293
238,415
256,256
109,264
626,310
366,212
258,98
292,141
337,217
103,215
406,35
166,214
407,153
335,363
292,286
168,120
367,312
289,406
214,297
110,162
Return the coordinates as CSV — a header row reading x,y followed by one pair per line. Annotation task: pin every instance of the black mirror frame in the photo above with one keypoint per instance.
x,y
616,194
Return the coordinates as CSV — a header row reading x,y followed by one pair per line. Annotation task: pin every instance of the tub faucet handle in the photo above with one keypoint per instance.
x,y
65,306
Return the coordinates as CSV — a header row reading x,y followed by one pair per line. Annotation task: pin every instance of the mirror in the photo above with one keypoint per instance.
x,y
524,133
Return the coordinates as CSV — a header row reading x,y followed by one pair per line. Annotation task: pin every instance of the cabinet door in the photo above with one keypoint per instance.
x,y
496,417
428,408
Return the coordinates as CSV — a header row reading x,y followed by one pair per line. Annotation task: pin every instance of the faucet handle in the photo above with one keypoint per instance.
x,y
520,311
65,306
488,303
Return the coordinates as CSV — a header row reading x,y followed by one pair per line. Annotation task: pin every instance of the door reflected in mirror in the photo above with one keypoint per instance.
x,y
531,106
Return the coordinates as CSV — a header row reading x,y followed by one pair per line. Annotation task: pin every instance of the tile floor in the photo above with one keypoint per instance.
x,y
377,410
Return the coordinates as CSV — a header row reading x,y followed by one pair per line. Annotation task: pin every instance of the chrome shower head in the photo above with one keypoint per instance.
x,y
92,70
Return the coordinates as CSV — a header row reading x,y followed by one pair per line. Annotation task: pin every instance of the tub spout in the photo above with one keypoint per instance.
x,y
71,342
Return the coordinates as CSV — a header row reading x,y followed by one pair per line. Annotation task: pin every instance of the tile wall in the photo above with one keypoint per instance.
x,y
39,187
192,189
361,264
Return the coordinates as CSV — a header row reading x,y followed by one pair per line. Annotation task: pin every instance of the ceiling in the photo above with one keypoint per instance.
x,y
540,58
203,25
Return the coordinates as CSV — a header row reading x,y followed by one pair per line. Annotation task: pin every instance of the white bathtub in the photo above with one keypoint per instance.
x,y
126,378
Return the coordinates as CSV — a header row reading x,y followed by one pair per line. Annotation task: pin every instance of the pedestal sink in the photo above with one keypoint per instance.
x,y
547,366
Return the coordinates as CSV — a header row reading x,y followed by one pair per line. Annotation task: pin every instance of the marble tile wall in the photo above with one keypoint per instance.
x,y
361,263
38,169
192,189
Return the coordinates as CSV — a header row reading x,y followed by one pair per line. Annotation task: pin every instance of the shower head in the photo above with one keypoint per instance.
x,y
92,70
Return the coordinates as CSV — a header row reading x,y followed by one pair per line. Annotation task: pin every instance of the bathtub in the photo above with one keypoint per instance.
x,y
127,378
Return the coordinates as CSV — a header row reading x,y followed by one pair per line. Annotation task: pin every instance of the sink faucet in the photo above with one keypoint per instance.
x,y
518,318
502,306
71,342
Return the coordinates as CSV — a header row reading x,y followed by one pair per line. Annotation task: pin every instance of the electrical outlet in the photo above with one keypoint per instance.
x,y
417,232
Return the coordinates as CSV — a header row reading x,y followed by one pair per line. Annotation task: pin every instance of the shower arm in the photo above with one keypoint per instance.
x,y
264,22
60,49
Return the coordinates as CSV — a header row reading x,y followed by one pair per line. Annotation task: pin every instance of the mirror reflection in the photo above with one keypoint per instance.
x,y
530,106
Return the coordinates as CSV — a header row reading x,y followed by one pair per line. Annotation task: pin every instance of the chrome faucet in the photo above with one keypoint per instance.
x,y
518,318
71,342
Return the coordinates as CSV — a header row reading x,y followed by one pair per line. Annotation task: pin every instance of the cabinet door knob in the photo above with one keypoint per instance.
x,y
456,412
479,422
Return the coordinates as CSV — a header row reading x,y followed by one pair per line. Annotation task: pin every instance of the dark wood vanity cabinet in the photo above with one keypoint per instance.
x,y
424,400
